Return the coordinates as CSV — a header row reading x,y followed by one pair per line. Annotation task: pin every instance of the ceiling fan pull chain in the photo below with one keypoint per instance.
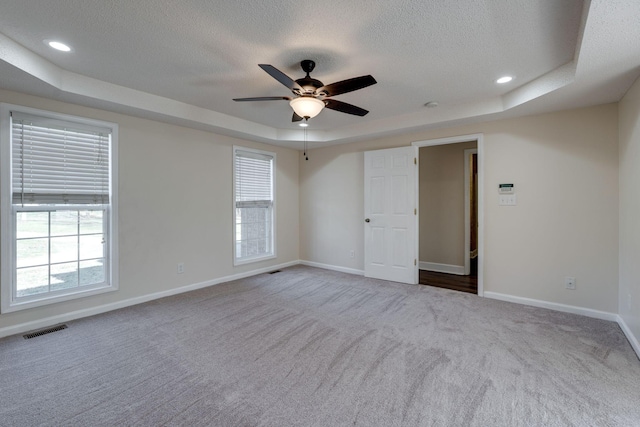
x,y
305,145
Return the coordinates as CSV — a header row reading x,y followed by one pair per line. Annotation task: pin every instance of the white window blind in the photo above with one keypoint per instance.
x,y
253,179
57,162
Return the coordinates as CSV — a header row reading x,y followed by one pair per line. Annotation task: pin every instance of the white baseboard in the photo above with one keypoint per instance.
x,y
333,267
597,314
67,317
633,340
604,315
78,314
442,268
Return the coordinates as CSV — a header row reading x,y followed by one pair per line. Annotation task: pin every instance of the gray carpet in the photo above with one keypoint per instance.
x,y
309,347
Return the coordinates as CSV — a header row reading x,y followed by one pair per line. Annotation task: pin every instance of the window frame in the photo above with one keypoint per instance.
x,y
8,217
273,254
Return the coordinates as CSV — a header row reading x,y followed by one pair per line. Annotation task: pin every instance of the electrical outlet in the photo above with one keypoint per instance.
x,y
570,283
352,254
180,267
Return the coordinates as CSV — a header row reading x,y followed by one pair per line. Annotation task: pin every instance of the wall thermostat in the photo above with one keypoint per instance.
x,y
505,188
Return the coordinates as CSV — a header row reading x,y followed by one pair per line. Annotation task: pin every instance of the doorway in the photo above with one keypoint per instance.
x,y
450,213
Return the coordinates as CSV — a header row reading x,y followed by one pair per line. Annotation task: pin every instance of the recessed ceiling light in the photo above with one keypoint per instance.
x,y
303,125
59,46
431,104
505,79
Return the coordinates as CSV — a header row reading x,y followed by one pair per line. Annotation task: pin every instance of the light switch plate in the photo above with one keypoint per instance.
x,y
507,200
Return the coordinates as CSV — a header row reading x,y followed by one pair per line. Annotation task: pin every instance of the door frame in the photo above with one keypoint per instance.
x,y
467,209
479,138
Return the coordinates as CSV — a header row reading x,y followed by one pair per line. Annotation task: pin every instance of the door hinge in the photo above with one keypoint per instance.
x,y
415,211
415,261
415,160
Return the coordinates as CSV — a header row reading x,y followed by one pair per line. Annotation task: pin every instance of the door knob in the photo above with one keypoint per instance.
x,y
367,220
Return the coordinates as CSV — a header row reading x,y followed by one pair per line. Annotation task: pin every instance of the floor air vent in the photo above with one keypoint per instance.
x,y
274,272
44,331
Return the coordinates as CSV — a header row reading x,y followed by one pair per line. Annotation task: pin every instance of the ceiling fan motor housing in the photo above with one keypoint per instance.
x,y
309,86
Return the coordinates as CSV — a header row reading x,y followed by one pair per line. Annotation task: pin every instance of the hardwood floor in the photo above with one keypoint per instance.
x,y
452,281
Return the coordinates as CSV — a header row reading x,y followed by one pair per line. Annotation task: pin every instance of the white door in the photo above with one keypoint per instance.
x,y
390,215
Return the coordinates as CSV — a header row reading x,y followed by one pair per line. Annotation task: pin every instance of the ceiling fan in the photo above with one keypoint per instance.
x,y
311,95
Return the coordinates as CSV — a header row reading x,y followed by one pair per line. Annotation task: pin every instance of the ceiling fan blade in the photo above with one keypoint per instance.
x,y
280,76
348,85
296,118
343,107
264,98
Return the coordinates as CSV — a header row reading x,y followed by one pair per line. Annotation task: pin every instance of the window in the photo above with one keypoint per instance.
x,y
58,207
253,184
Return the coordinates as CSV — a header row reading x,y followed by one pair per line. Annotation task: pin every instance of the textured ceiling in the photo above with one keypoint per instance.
x,y
183,62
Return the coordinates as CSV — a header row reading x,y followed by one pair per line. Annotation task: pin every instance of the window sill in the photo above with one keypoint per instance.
x,y
14,306
238,262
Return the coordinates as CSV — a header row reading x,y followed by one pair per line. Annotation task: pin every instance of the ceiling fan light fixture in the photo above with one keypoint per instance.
x,y
306,106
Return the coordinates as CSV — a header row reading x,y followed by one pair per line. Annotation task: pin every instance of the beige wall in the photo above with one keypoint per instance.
x,y
565,169
175,206
630,209
441,209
